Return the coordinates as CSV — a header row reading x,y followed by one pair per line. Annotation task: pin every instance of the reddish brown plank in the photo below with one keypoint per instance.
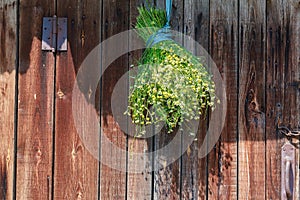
x,y
35,109
139,185
76,166
193,175
222,161
283,45
8,51
112,180
252,100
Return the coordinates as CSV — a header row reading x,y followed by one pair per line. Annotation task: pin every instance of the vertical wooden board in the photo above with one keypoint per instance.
x,y
76,169
35,109
202,35
282,88
291,112
295,92
8,50
193,170
222,160
177,13
276,45
139,185
252,100
167,183
113,176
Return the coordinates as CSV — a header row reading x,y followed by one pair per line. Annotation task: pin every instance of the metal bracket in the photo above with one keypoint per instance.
x,y
287,171
54,34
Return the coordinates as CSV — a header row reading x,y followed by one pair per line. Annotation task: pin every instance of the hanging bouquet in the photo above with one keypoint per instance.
x,y
172,85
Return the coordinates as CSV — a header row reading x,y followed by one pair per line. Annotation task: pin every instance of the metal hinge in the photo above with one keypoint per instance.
x,y
287,171
54,34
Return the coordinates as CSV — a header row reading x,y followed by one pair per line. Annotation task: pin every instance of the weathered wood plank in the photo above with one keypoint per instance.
x,y
139,185
77,171
35,109
193,170
113,181
275,96
202,32
8,50
252,100
222,161
167,183
291,112
202,36
76,174
294,78
283,53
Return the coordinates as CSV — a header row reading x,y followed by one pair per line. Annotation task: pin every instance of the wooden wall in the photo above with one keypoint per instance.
x,y
256,47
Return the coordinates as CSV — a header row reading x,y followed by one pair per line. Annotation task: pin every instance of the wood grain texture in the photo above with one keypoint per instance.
x,y
222,161
193,169
256,47
139,185
35,109
202,30
252,100
113,181
167,180
294,78
281,88
76,170
275,95
291,112
8,50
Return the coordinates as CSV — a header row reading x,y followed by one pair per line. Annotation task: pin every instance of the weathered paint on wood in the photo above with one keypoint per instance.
x,y
282,74
76,171
252,30
112,181
8,50
222,161
35,105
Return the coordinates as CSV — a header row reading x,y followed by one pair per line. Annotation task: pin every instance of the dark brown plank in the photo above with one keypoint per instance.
x,y
294,81
222,160
193,175
113,181
283,45
167,177
139,183
201,17
252,100
76,166
8,28
275,91
35,109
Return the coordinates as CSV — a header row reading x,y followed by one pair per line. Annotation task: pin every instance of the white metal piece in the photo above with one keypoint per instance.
x,y
287,171
54,34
